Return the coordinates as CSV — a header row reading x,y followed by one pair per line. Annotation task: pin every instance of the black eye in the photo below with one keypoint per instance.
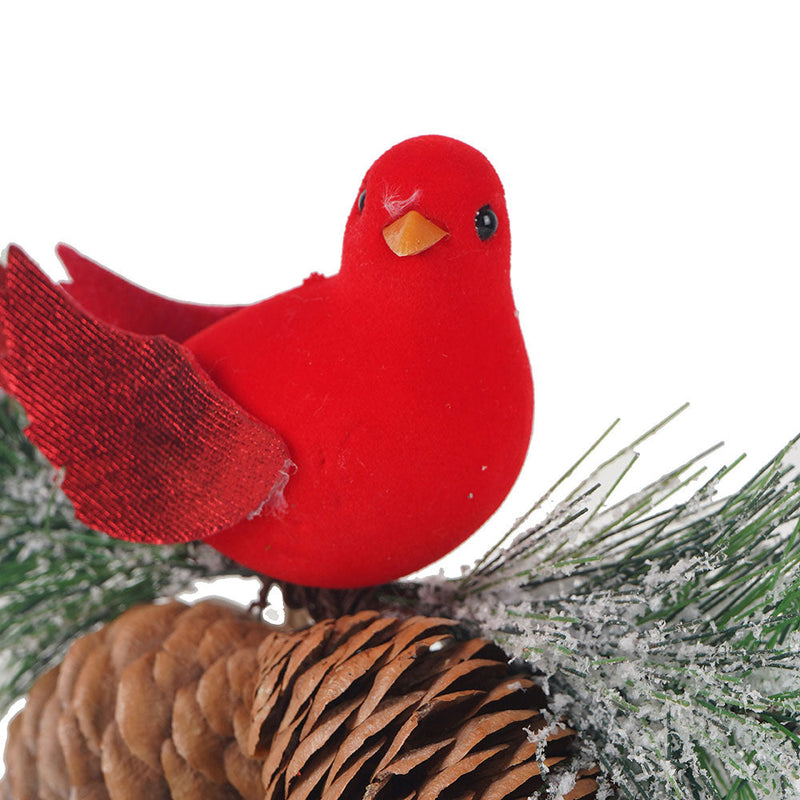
x,y
361,198
485,223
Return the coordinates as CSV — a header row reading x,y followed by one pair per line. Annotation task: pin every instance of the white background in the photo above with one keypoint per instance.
x,y
650,153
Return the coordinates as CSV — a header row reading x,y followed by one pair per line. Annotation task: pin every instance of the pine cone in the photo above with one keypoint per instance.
x,y
171,701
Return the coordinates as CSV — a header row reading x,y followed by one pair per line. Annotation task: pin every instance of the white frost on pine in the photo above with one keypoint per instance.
x,y
561,787
627,691
648,695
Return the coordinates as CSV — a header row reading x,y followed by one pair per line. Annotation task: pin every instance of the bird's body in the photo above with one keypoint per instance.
x,y
387,439
400,386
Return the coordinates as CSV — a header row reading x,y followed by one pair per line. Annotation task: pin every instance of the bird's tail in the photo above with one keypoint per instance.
x,y
116,301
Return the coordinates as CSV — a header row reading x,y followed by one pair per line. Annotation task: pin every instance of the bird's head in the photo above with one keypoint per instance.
x,y
430,205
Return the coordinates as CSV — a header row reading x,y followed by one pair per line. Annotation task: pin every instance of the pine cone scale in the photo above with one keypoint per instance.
x,y
480,672
300,786
144,630
186,783
93,696
82,764
72,665
303,691
407,763
37,699
137,689
193,738
465,768
479,730
425,632
338,787
285,740
584,787
315,741
392,675
126,777
386,719
21,783
341,680
53,775
244,773
214,696
511,783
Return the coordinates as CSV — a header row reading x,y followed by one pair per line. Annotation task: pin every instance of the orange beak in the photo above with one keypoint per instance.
x,y
411,234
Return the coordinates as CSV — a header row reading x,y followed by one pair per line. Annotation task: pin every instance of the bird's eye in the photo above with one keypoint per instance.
x,y
485,223
361,198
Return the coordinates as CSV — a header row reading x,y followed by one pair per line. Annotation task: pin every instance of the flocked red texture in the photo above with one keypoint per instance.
x,y
153,451
401,385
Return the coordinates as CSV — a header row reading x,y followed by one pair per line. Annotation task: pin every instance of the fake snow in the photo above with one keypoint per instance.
x,y
644,656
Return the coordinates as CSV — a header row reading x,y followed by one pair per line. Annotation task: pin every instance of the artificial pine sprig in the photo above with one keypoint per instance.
x,y
58,578
669,638
667,635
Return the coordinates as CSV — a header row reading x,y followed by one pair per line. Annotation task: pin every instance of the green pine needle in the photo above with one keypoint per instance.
x,y
667,636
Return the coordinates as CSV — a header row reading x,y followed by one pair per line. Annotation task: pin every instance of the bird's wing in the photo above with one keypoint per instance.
x,y
152,449
110,298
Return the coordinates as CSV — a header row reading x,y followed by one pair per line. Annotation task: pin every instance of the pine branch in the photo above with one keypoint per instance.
x,y
58,578
670,637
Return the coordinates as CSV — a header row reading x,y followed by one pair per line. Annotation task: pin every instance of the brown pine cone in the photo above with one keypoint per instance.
x,y
171,701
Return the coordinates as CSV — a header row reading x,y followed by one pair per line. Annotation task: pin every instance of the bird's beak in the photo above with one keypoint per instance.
x,y
411,234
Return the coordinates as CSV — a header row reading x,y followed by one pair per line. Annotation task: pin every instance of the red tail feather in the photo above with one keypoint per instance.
x,y
112,299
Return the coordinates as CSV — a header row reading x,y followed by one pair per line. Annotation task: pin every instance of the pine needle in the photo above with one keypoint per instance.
x,y
668,635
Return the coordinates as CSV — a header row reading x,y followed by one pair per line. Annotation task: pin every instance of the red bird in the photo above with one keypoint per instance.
x,y
341,434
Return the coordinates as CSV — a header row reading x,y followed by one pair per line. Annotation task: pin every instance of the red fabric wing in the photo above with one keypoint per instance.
x,y
153,451
110,298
